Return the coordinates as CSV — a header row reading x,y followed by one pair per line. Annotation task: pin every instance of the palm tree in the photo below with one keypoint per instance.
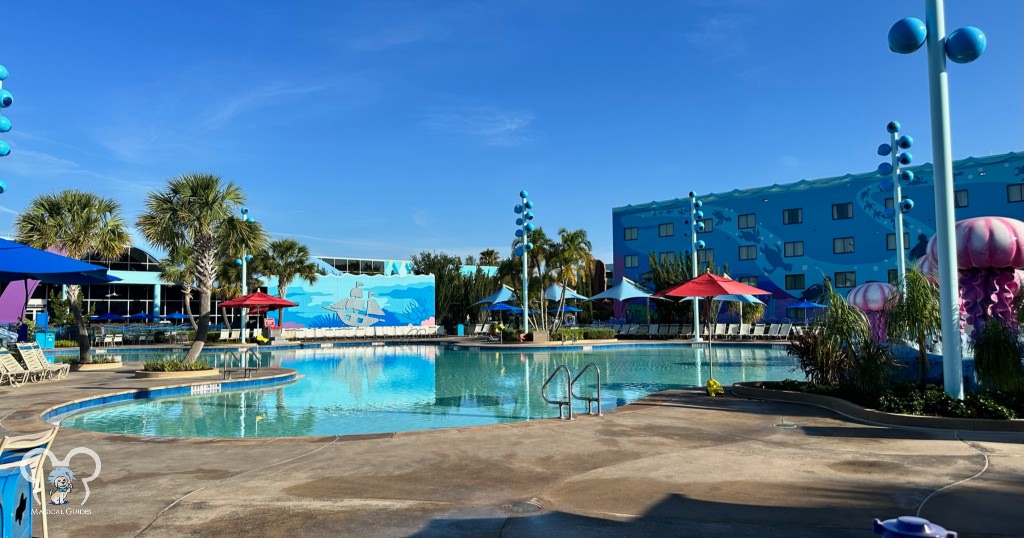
x,y
194,214
573,260
913,314
287,259
489,257
75,223
177,269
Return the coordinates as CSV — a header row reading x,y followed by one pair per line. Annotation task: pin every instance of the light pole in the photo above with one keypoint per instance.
x,y
899,205
6,100
696,225
244,261
525,223
964,45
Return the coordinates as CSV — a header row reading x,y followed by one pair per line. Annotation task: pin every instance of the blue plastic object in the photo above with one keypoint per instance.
x,y
910,527
528,204
3,186
529,246
893,127
884,149
906,158
6,99
700,226
5,149
519,232
700,244
698,204
529,215
906,175
907,35
524,194
460,330
965,44
5,124
519,222
885,169
3,73
905,142
907,205
518,209
692,194
519,251
530,227
15,504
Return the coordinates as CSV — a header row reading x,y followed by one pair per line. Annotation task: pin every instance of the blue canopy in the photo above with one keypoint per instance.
x,y
806,304
142,316
175,315
500,296
554,293
625,289
566,309
740,298
503,307
108,317
22,262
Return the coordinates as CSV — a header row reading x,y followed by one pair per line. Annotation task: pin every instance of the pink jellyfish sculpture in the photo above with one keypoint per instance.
x,y
989,252
871,298
927,267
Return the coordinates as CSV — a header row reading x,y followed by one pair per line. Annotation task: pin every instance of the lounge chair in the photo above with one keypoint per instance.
x,y
773,331
34,358
686,331
652,330
721,329
669,331
31,450
783,333
733,332
758,331
14,372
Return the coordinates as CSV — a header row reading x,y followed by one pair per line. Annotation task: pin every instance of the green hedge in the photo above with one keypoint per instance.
x,y
175,365
583,333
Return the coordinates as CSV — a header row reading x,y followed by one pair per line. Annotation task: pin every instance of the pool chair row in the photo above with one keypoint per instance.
x,y
653,330
30,365
365,333
775,331
746,331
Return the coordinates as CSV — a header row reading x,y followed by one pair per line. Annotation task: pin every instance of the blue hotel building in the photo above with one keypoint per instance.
x,y
786,238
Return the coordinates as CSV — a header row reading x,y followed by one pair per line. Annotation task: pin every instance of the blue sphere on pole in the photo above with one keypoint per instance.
x,y
884,169
5,124
519,232
907,205
528,204
965,45
245,210
238,262
884,149
5,148
698,215
524,194
698,204
519,251
519,221
3,73
906,175
907,35
700,226
530,227
905,142
700,244
518,209
528,215
892,127
692,194
6,99
3,185
906,158
529,246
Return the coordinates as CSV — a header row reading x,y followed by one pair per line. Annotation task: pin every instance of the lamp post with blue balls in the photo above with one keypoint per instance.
x,y
243,262
897,175
6,100
696,225
525,222
964,45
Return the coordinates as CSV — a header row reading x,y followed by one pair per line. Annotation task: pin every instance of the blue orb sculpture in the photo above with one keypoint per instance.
x,y
698,204
906,175
905,142
3,185
692,194
530,227
524,194
965,44
906,158
245,210
519,232
885,185
700,244
3,73
907,35
884,169
518,209
888,213
884,149
907,205
528,215
698,215
5,148
700,226
529,246
5,124
529,204
6,99
238,262
519,222
892,127
248,218
519,251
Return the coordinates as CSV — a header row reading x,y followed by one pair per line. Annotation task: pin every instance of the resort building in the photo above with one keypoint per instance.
x,y
786,238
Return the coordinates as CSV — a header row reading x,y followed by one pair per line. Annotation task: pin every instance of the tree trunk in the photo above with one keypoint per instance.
x,y
84,345
202,329
283,290
188,310
922,360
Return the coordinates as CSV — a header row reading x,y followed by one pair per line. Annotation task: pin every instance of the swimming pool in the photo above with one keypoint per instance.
x,y
377,389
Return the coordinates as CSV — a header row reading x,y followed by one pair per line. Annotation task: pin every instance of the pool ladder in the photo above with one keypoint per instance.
x,y
242,358
565,403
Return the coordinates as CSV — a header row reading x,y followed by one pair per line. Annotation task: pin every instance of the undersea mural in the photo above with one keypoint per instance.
x,y
347,300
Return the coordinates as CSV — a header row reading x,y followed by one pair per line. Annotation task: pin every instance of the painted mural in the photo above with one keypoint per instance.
x,y
346,300
844,231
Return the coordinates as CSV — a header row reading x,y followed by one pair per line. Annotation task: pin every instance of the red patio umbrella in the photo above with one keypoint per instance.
x,y
258,300
710,285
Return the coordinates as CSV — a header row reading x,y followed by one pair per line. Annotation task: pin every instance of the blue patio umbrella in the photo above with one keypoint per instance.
x,y
175,315
806,305
142,316
554,293
22,262
109,316
503,307
567,308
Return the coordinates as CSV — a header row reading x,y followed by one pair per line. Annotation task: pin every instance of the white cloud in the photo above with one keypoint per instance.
x,y
789,160
490,125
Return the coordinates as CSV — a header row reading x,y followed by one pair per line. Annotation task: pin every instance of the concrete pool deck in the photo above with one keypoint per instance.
x,y
675,464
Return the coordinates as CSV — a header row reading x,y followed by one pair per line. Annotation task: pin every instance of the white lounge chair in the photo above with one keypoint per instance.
x,y
773,331
758,331
34,358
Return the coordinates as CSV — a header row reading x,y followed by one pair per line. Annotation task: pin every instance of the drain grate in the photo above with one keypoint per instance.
x,y
525,507
785,425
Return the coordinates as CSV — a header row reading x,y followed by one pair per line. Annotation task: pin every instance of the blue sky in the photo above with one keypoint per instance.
x,y
381,129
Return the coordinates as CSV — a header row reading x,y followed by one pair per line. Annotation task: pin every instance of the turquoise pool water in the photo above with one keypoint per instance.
x,y
375,389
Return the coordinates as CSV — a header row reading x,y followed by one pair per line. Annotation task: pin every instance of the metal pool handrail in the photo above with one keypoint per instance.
x,y
591,400
567,401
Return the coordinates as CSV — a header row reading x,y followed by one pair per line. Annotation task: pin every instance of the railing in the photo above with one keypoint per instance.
x,y
565,402
242,359
591,400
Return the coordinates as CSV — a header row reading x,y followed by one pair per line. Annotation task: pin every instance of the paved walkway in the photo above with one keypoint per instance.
x,y
676,464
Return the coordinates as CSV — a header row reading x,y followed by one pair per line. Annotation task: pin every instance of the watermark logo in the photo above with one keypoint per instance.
x,y
62,479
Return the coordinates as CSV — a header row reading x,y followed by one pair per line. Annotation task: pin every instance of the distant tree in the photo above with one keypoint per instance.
x,y
447,271
572,260
177,269
287,259
913,315
470,260
75,223
489,257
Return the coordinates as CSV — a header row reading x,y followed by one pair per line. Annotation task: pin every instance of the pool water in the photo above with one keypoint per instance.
x,y
376,389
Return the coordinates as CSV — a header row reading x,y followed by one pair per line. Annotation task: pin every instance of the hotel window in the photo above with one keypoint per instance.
x,y
792,216
960,198
629,234
1015,193
665,258
748,252
894,277
842,245
666,230
846,279
709,226
630,260
793,249
748,280
842,211
705,256
747,220
795,282
890,241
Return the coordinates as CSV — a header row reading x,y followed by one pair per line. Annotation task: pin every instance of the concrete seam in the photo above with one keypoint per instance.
x,y
920,507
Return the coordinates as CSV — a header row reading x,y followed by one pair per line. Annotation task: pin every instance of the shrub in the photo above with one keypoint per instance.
x,y
997,354
175,365
65,343
510,334
873,367
565,334
821,358
595,333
